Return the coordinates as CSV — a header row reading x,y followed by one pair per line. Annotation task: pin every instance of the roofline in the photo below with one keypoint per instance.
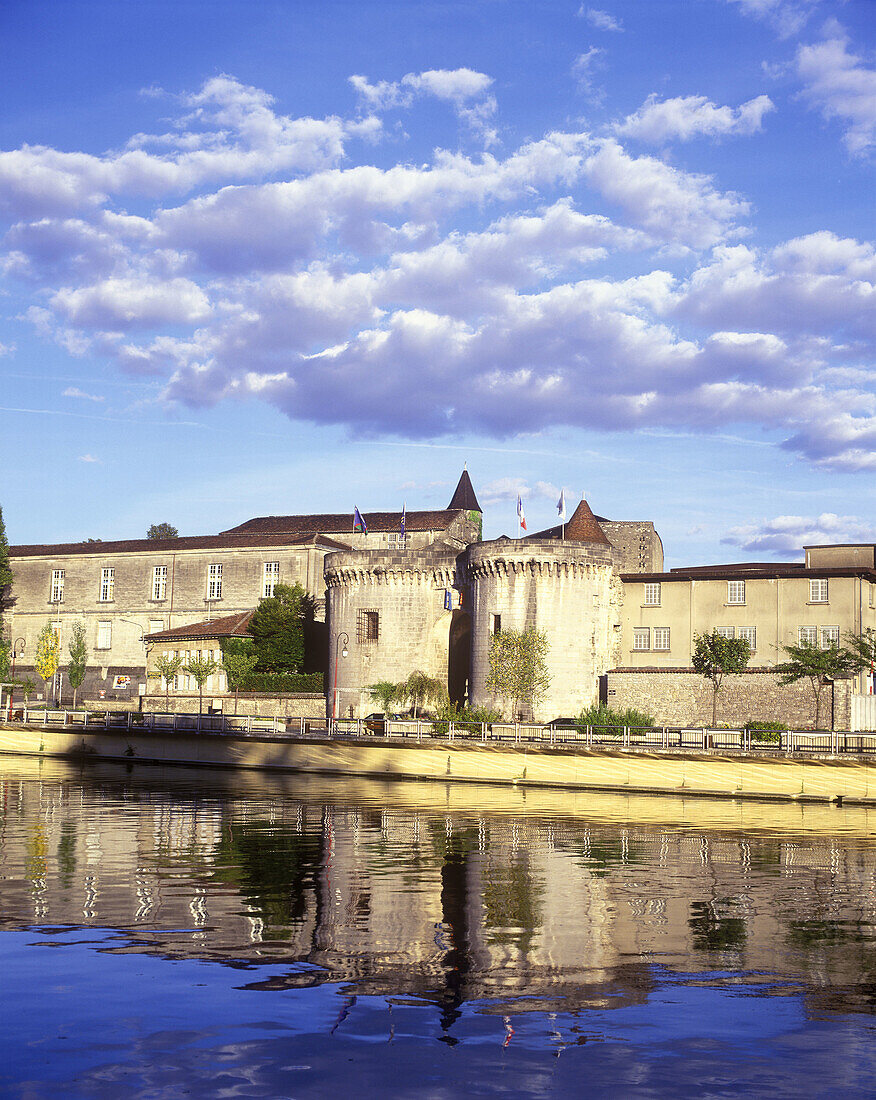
x,y
718,572
180,545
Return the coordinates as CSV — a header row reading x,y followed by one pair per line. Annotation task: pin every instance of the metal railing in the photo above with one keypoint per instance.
x,y
656,738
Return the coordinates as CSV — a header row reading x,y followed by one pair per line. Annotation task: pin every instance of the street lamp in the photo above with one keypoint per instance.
x,y
343,634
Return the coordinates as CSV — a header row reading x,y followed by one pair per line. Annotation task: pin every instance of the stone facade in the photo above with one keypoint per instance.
x,y
681,697
636,546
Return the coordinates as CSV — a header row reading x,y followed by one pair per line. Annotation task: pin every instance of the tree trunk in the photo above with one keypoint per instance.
x,y
715,687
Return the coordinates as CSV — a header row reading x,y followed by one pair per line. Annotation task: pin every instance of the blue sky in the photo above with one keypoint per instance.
x,y
291,257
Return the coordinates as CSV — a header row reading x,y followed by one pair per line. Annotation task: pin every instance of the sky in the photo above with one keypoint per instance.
x,y
288,257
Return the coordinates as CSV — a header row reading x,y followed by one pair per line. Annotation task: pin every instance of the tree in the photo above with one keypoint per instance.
x,y
5,582
518,667
421,688
715,657
819,666
48,651
27,688
239,659
277,628
165,668
78,658
200,668
160,531
385,693
864,647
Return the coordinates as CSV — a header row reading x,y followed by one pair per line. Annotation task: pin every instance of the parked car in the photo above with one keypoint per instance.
x,y
562,724
376,723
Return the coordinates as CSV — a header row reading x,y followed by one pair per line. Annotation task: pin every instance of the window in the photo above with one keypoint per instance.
x,y
808,635
214,582
104,635
735,591
57,586
155,625
641,638
829,636
56,630
107,584
727,631
395,538
749,634
159,582
661,638
495,623
272,577
368,626
652,595
818,591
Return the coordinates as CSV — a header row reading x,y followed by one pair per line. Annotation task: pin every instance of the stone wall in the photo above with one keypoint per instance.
x,y
249,704
681,697
636,546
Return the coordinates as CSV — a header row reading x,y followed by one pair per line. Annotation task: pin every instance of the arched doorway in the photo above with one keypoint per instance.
x,y
459,657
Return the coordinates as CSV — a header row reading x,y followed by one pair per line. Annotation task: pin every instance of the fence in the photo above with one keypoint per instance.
x,y
656,738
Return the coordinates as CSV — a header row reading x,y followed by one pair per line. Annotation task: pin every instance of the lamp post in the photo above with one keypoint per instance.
x,y
343,634
17,651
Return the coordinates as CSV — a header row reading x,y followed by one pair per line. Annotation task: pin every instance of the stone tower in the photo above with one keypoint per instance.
x,y
565,587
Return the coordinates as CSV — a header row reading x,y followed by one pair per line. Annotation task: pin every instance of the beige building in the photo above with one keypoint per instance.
x,y
831,593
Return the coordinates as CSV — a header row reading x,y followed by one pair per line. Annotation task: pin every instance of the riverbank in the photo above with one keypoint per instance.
x,y
815,777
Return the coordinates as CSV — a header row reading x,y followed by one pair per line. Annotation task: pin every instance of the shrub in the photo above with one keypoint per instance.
x,y
766,731
611,721
471,718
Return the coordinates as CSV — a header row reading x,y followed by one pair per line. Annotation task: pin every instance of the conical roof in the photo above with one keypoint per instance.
x,y
582,527
464,496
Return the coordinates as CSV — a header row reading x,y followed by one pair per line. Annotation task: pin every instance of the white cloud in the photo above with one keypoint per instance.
x,y
584,69
465,89
675,206
124,303
88,458
601,20
787,17
74,391
789,534
686,117
839,85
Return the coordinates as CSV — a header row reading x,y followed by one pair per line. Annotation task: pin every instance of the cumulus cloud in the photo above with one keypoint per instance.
x,y
686,117
601,20
839,85
786,17
563,282
788,534
466,90
506,489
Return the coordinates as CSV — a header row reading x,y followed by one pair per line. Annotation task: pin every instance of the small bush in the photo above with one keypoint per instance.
x,y
766,731
611,722
471,718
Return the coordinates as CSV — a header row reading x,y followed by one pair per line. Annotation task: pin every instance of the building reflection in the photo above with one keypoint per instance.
x,y
514,911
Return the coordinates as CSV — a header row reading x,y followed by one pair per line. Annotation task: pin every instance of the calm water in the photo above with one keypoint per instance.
x,y
181,933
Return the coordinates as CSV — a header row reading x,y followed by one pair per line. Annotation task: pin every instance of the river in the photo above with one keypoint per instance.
x,y
170,931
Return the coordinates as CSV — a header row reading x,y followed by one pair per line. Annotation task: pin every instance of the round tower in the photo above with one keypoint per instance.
x,y
389,611
565,587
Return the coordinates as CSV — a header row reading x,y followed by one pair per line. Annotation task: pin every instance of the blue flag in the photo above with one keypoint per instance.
x,y
402,526
448,600
359,523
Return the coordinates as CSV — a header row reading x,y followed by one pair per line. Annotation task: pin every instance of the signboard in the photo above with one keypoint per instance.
x,y
121,682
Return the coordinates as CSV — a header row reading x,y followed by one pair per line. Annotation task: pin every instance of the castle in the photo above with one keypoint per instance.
x,y
428,594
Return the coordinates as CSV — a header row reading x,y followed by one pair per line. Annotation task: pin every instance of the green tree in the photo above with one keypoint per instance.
x,y
820,667
5,658
159,531
200,668
27,688
421,688
384,693
165,668
277,628
518,667
78,658
239,660
48,651
863,646
715,657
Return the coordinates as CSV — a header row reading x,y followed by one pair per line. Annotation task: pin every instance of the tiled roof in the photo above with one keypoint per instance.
x,y
168,546
753,571
582,526
342,524
464,495
231,626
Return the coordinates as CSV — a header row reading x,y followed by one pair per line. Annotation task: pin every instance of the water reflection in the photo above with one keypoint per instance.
x,y
564,909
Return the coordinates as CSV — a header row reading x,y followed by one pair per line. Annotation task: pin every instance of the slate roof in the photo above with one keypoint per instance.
x,y
230,626
341,524
464,495
582,526
226,540
753,570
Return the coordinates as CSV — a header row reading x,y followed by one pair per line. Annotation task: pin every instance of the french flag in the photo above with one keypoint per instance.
x,y
520,514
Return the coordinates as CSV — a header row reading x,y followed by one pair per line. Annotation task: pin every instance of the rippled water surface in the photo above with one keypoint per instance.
x,y
166,932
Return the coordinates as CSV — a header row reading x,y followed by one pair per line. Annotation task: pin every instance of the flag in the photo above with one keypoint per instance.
x,y
520,512
561,504
448,600
359,523
401,529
